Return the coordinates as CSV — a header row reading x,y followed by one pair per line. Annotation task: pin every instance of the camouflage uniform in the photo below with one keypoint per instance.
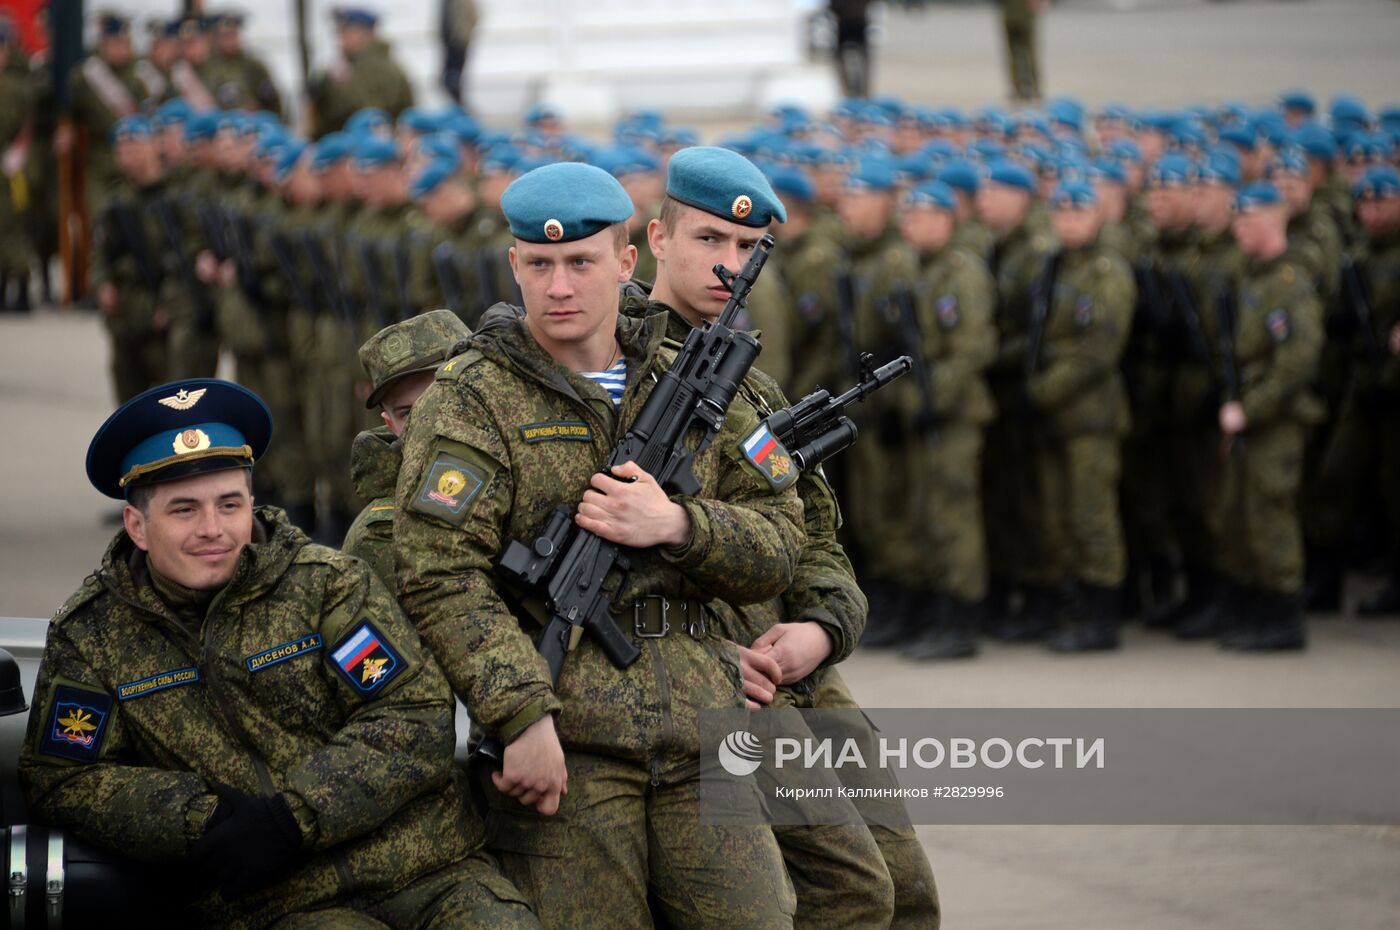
x,y
806,266
375,459
96,114
842,874
1081,415
371,79
242,82
128,253
1018,19
150,695
472,479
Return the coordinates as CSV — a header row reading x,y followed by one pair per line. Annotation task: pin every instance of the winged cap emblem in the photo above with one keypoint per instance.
x,y
183,399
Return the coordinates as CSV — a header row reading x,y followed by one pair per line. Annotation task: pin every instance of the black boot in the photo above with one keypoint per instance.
x,y
1276,624
1384,602
1225,612
5,306
1093,623
1130,600
1323,592
1161,585
951,635
1202,591
22,294
891,621
1037,617
996,608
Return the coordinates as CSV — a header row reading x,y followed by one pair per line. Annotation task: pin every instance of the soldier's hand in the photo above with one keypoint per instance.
x,y
228,274
107,300
1232,418
160,321
206,267
761,675
798,648
1395,339
533,770
631,509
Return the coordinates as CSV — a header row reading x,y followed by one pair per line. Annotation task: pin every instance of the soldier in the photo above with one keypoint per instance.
x,y
101,91
1079,415
132,274
223,692
789,646
16,250
1277,341
237,78
399,361
1018,19
513,428
1366,435
948,320
161,56
1010,494
441,274
189,75
365,75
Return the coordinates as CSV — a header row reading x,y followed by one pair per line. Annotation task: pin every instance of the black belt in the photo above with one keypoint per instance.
x,y
655,615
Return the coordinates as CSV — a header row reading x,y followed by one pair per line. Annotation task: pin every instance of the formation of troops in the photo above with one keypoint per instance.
x,y
1155,373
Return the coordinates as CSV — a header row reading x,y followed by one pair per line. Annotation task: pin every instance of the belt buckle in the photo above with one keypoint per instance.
x,y
638,624
696,626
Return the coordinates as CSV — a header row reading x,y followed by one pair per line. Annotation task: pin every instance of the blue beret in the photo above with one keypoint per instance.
x,y
1316,141
500,159
271,144
1073,169
1073,195
1257,196
622,160
1172,171
932,194
1380,182
1188,133
1125,150
332,147
202,126
1221,166
132,127
1242,137
173,112
441,145
420,120
915,165
1348,108
790,183
988,150
1298,100
1011,174
873,173
374,152
1231,112
1289,161
287,159
369,119
431,177
1067,111
231,120
177,430
1115,113
960,175
725,184
563,203
942,150
540,112
1389,117
463,127
679,135
1110,169
356,16
1369,146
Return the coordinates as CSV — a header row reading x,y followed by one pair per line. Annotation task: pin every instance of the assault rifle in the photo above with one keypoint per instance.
x,y
566,565
816,427
913,337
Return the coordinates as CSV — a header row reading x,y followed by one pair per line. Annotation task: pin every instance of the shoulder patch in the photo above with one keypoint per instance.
x,y
365,658
258,661
174,678
555,431
763,451
458,474
1103,264
78,723
1280,325
947,310
451,369
1083,312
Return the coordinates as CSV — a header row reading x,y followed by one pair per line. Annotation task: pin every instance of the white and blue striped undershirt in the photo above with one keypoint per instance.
x,y
613,380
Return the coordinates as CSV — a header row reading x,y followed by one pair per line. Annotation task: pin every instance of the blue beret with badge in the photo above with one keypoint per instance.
x,y
874,173
1316,141
420,120
1221,166
1380,182
1109,169
960,175
1067,112
132,127
1299,100
431,177
1172,171
173,112
367,120
202,126
499,159
988,150
933,194
791,183
724,184
1260,195
1073,195
332,148
289,156
1349,109
1241,136
564,203
1011,174
1289,161
177,430
441,145
374,152
1125,150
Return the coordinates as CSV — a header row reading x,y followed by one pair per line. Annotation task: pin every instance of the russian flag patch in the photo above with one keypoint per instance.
x,y
769,456
366,659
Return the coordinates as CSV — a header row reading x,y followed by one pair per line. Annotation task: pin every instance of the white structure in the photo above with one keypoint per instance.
x,y
594,60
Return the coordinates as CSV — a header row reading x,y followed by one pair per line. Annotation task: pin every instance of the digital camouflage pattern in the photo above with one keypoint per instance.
x,y
417,344
369,79
375,459
251,697
475,477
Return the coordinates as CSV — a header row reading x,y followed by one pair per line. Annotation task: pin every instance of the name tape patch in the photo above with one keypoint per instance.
x,y
554,432
158,682
270,657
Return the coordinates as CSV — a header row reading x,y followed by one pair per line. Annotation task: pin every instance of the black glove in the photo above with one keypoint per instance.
x,y
248,843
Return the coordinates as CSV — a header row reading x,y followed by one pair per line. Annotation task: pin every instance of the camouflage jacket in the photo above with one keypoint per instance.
x,y
369,79
1278,343
955,299
1377,368
137,715
824,587
502,437
1077,383
807,267
1017,259
130,252
375,458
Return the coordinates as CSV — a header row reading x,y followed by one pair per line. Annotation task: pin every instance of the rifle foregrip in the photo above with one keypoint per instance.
x,y
841,436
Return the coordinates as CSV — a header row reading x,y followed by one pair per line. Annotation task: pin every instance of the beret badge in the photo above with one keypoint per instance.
x,y
742,207
553,230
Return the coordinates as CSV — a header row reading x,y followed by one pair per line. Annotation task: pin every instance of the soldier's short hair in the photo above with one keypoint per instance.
x,y
141,495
